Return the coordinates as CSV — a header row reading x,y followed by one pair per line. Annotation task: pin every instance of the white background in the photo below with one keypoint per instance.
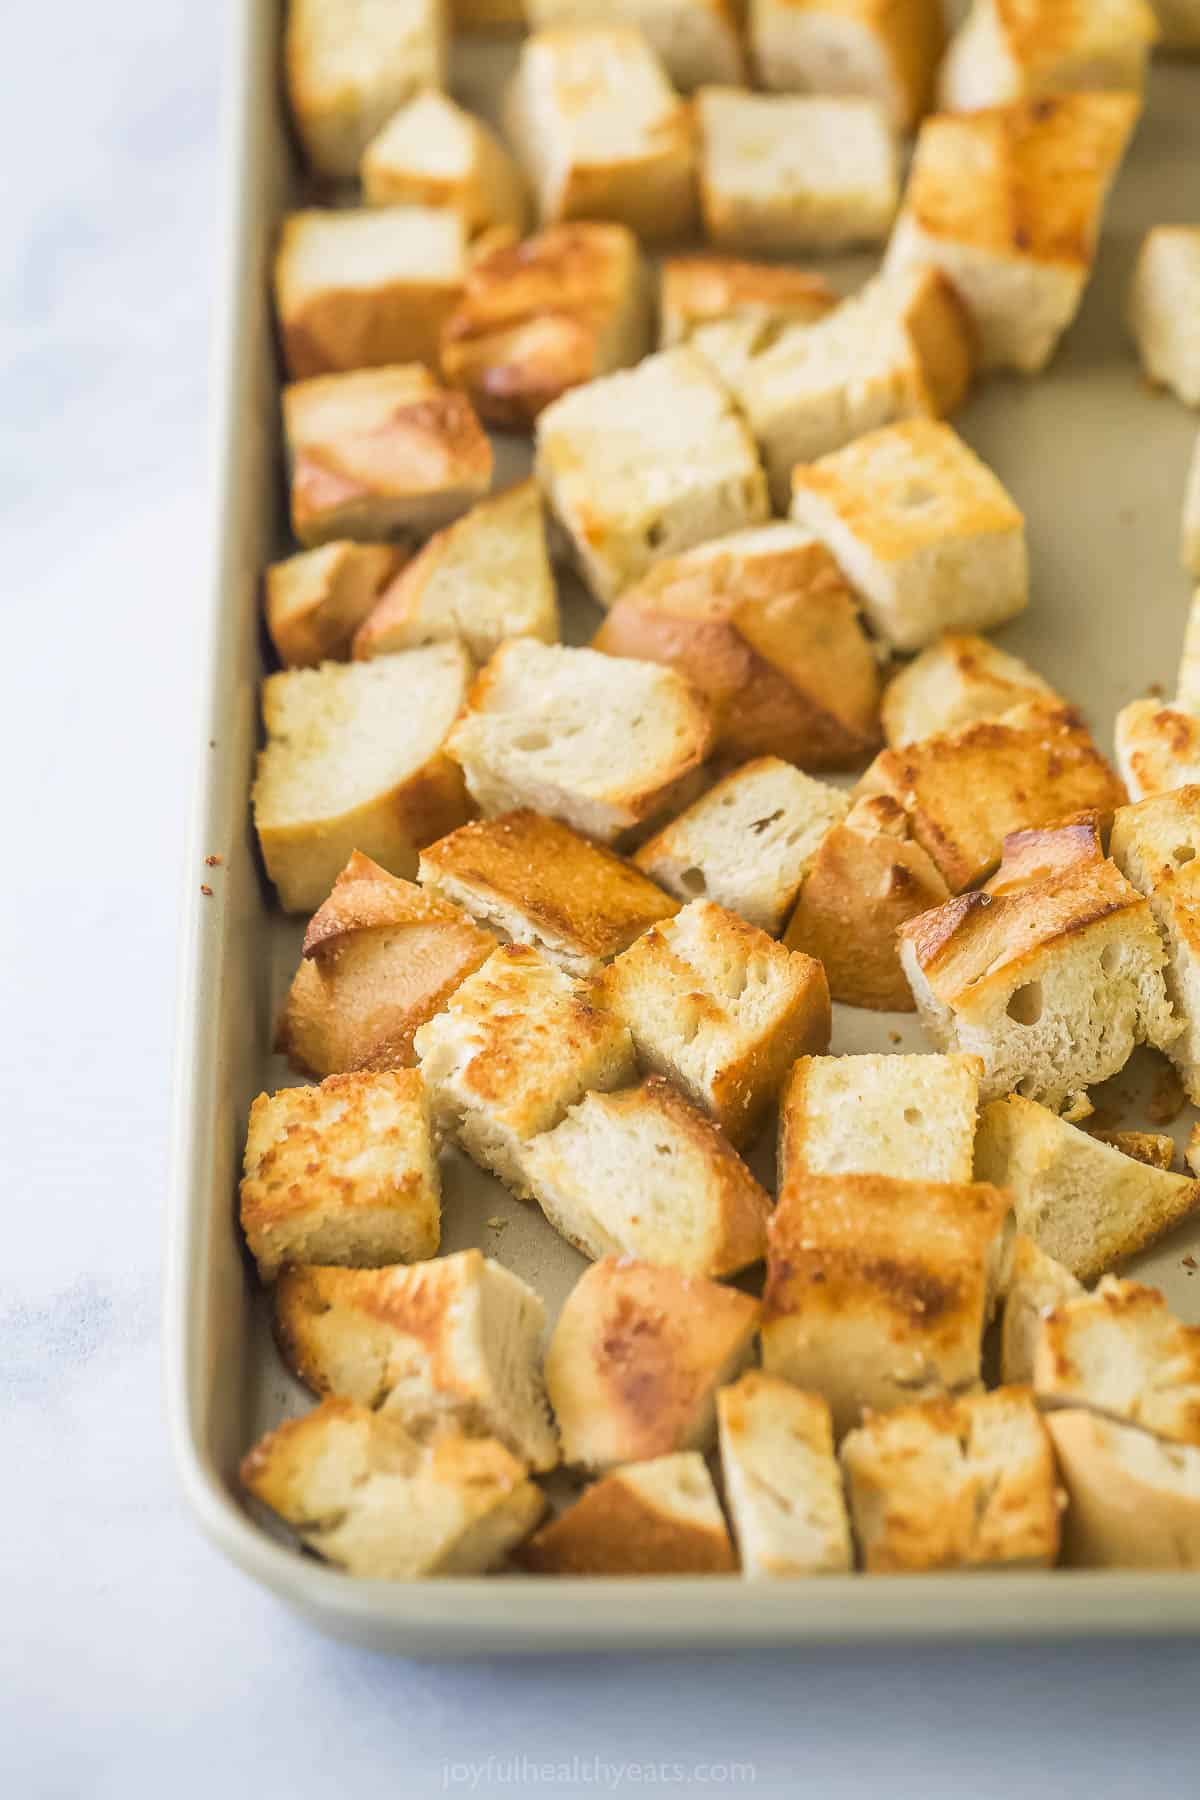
x,y
132,1660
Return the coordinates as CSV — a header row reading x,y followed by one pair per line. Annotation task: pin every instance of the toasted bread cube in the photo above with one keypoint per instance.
x,y
908,1116
762,623
879,1289
728,310
867,878
381,452
1156,844
601,132
697,40
380,957
316,601
782,1481
519,1042
355,760
1189,534
1016,49
1133,1501
342,1173
660,1517
485,578
362,1492
602,744
534,881
788,172
637,1357
350,64
720,1009
1164,308
958,680
886,51
455,1341
432,153
644,1173
545,315
965,791
1158,748
748,843
1121,1352
646,463
923,531
900,348
1036,1284
1007,202
1082,1201
955,1484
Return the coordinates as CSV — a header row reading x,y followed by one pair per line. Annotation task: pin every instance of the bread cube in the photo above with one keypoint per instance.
x,y
748,843
955,1484
1036,1284
908,1116
1164,308
957,680
878,1289
355,759
644,1173
601,132
551,313
1121,1352
728,310
1189,537
456,1341
1158,748
867,878
519,1042
362,1492
644,464
350,64
485,578
636,1359
1133,1502
886,51
534,881
605,745
1016,49
660,1517
316,601
782,1482
794,172
764,626
926,535
342,1173
1156,844
1008,202
720,1009
380,957
432,153
381,452
697,40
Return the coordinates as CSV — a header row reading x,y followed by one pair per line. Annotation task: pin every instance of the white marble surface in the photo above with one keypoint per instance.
x,y
132,1661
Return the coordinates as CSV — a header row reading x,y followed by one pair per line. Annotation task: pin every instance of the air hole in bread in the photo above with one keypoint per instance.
x,y
532,740
916,494
693,880
1182,853
760,825
655,534
912,1115
1025,1007
1110,956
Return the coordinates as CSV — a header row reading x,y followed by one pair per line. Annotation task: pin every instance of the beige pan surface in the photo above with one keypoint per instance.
x,y
1097,461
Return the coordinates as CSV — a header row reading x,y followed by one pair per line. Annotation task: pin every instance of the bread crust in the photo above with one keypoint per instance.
x,y
621,1526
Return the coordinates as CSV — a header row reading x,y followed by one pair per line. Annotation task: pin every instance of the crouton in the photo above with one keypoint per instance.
x,y
748,843
316,601
878,48
867,878
381,452
1007,202
355,760
763,624
1164,308
519,1042
636,1359
456,1341
720,1009
432,153
1189,532
1121,1352
782,1482
1036,1284
908,1116
349,64
601,132
1158,748
697,40
1156,845
644,464
545,315
1133,1502
958,680
660,1517
380,957
362,1492
644,1173
342,1173
955,1484
1016,49
729,310
485,578
602,744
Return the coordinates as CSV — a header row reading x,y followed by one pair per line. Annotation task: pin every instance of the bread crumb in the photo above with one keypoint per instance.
x,y
205,890
496,1223
894,1037
214,861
